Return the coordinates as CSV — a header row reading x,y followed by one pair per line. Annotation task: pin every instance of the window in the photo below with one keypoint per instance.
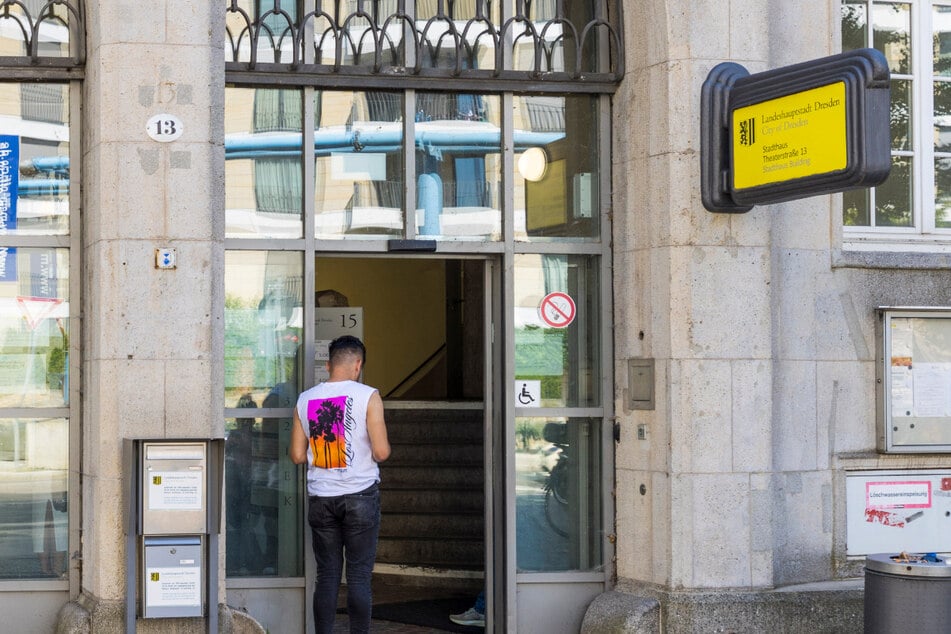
x,y
914,204
34,330
39,284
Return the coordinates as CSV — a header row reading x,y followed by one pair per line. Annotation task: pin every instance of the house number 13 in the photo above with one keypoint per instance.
x,y
164,128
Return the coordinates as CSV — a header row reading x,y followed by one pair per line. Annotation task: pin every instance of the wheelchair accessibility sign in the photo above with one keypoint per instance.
x,y
528,393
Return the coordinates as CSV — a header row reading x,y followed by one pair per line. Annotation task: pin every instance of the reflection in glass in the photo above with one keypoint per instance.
x,y
900,114
263,169
892,34
358,141
48,22
462,34
275,33
34,327
264,520
263,322
33,497
263,325
941,27
34,156
855,205
942,116
893,198
854,25
563,202
942,193
558,494
557,340
458,166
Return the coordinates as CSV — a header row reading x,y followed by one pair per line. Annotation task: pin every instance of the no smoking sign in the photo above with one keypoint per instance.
x,y
557,310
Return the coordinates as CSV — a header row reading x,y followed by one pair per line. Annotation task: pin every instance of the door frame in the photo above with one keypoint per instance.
x,y
497,575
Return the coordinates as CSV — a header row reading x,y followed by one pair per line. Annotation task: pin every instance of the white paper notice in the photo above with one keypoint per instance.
x,y
172,587
175,490
902,337
932,389
903,396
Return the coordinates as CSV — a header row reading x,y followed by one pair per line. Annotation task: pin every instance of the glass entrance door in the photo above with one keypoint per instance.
x,y
424,322
426,325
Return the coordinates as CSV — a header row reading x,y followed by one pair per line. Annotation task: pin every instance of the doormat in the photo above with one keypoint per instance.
x,y
433,613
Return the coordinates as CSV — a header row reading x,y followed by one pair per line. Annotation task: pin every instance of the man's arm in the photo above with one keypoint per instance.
x,y
297,451
376,428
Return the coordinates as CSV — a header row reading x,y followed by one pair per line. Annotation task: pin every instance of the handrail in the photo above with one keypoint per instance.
x,y
418,368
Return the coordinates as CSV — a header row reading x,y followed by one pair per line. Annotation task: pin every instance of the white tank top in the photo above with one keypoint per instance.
x,y
339,458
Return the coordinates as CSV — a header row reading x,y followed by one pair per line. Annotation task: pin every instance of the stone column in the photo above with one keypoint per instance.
x,y
700,306
153,337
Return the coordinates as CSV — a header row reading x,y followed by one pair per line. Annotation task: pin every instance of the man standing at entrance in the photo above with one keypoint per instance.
x,y
340,432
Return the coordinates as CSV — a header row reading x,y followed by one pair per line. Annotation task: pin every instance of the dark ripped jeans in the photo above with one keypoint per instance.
x,y
344,527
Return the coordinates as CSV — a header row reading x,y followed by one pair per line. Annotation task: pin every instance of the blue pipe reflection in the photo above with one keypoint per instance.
x,y
327,141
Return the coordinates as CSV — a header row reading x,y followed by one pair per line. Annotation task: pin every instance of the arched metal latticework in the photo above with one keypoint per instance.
x,y
42,38
564,45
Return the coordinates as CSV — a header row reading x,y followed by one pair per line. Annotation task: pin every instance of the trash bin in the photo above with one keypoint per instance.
x,y
907,593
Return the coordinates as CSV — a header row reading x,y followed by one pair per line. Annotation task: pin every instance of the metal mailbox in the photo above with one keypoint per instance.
x,y
172,537
174,479
173,576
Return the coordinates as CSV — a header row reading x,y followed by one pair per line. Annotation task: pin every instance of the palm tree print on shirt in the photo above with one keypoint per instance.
x,y
328,438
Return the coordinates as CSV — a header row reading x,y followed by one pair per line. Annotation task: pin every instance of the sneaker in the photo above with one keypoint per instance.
x,y
469,617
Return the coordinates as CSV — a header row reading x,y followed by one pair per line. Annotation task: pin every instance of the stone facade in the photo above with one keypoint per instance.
x,y
763,334
730,509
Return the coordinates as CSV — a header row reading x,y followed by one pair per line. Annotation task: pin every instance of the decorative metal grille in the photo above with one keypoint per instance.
x,y
42,33
542,41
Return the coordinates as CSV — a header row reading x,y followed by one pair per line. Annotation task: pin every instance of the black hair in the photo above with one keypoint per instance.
x,y
347,345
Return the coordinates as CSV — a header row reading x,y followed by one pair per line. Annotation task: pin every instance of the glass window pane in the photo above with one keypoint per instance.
x,y
263,169
941,28
358,150
34,159
264,516
263,322
51,21
900,115
854,26
942,194
33,494
34,327
855,207
458,166
543,32
893,198
557,330
892,34
558,494
942,116
556,167
473,23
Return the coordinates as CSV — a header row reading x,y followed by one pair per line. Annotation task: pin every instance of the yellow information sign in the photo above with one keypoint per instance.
x,y
782,139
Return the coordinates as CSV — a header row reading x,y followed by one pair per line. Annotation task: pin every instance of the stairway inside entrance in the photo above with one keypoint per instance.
x,y
432,496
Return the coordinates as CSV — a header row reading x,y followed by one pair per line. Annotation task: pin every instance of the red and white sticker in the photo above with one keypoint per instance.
x,y
557,309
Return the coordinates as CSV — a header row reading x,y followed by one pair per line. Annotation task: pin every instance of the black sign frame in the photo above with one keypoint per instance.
x,y
730,86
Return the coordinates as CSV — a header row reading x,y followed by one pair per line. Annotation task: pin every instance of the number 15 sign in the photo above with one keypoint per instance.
x,y
333,322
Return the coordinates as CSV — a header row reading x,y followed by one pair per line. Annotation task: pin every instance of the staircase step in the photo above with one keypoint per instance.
x,y
431,477
453,501
437,553
435,454
422,526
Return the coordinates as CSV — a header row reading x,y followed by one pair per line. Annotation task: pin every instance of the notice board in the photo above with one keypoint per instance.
x,y
914,380
895,511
